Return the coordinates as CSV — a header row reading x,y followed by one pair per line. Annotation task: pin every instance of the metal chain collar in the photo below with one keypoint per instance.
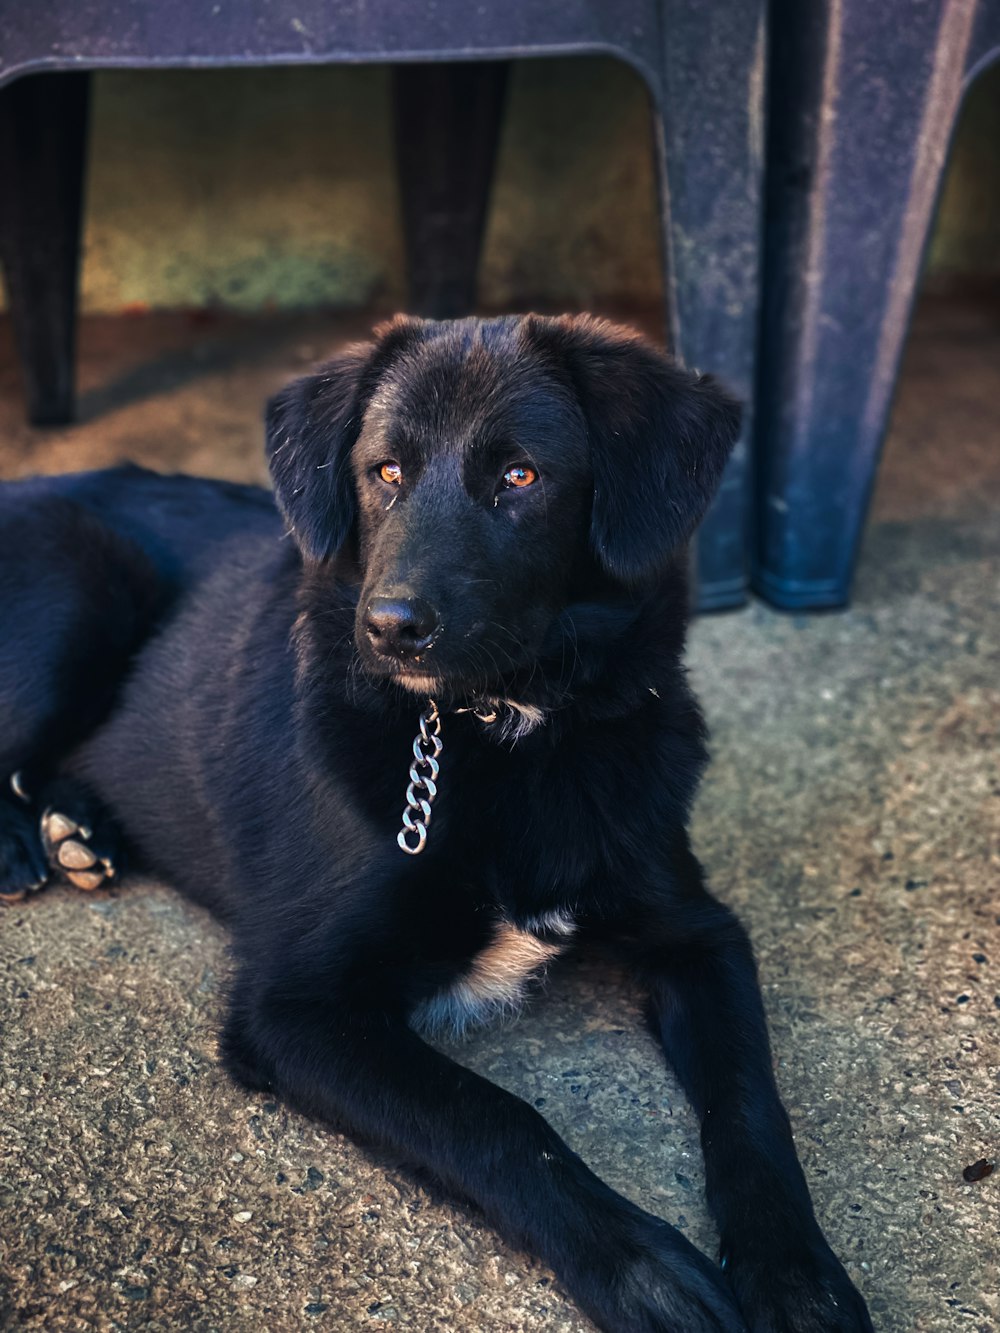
x,y
420,794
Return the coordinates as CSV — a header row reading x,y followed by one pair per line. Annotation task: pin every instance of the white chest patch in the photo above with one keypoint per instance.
x,y
496,982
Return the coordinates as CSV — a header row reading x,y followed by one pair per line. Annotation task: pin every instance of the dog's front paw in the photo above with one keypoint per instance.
x,y
653,1280
801,1289
668,1293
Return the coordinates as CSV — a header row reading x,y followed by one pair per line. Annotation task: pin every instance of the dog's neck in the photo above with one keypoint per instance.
x,y
428,746
511,720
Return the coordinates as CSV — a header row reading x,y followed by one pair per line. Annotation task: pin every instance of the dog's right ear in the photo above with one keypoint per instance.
x,y
659,439
311,426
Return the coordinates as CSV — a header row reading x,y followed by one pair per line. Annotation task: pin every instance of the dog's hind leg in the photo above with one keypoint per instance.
x,y
23,867
61,829
76,601
81,840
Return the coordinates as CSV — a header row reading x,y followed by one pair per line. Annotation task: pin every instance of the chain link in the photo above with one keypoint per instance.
x,y
420,794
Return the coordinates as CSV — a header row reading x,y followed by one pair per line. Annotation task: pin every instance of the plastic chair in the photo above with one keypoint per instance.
x,y
862,106
703,66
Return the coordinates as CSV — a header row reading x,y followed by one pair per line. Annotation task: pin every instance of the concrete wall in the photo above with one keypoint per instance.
x,y
967,237
241,188
276,187
251,188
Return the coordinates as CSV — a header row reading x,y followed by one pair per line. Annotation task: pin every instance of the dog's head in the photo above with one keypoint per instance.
x,y
473,478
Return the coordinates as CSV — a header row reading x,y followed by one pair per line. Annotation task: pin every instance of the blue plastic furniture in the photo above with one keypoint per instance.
x,y
863,102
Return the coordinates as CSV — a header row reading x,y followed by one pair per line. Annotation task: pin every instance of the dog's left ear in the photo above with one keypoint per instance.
x,y
312,424
659,440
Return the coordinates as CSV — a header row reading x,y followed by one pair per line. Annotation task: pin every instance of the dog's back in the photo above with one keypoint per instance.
x,y
178,522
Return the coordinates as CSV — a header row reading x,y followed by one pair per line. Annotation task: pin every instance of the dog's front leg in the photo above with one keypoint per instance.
x,y
698,963
319,1043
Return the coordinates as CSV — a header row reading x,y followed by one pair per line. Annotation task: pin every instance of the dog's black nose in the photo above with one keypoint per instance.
x,y
400,626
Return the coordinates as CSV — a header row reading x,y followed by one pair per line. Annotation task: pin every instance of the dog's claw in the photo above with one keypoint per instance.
x,y
66,845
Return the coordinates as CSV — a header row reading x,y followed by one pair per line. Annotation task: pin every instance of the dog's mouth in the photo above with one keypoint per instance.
x,y
479,670
510,698
418,680
509,719
453,691
451,687
475,661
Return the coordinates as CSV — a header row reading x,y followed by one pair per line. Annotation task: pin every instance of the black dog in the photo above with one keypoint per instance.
x,y
486,527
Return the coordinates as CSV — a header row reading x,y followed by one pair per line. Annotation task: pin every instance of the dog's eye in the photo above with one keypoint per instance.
x,y
520,477
391,473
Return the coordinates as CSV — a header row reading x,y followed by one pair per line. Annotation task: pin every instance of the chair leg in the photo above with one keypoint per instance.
x,y
710,119
43,132
447,120
860,122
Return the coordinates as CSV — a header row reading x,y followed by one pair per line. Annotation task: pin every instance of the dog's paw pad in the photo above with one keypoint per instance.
x,y
56,827
66,845
88,879
73,855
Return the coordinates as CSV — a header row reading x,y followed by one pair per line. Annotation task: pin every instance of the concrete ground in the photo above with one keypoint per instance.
x,y
851,815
